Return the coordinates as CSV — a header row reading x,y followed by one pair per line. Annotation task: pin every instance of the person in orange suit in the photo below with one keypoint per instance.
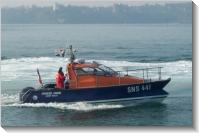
x,y
59,78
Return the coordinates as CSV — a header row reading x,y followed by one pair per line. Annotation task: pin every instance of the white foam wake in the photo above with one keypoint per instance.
x,y
79,106
25,68
13,100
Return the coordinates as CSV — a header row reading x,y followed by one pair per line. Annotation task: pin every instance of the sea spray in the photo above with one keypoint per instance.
x,y
25,68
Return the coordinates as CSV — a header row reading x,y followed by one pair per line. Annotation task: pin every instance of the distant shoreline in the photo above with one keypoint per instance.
x,y
116,14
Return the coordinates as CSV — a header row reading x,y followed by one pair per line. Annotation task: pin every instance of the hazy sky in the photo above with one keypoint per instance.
x,y
12,3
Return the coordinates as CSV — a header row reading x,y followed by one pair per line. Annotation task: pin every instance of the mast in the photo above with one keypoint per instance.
x,y
72,56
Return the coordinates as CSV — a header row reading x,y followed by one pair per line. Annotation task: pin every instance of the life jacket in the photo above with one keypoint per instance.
x,y
59,78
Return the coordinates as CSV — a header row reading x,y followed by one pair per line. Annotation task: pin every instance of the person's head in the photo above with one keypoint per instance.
x,y
60,70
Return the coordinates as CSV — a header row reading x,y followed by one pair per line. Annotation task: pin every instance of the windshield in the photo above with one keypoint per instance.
x,y
107,70
100,70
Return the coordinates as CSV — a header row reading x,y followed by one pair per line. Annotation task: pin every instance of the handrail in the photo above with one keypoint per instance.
x,y
140,69
145,72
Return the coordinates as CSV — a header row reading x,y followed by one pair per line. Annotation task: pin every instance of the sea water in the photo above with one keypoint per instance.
x,y
28,47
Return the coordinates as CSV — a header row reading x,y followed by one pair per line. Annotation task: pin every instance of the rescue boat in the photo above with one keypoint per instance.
x,y
93,82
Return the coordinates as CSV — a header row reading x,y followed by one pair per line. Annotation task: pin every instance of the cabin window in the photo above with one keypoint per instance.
x,y
89,70
101,70
98,71
86,70
80,71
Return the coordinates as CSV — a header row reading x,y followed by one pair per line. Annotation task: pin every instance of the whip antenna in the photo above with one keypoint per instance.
x,y
40,80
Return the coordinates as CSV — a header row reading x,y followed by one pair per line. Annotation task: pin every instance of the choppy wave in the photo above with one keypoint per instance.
x,y
25,68
7,99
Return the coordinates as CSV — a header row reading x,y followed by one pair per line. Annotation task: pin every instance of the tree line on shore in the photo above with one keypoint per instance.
x,y
116,14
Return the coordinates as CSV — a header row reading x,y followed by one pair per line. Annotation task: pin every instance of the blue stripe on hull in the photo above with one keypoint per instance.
x,y
114,93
